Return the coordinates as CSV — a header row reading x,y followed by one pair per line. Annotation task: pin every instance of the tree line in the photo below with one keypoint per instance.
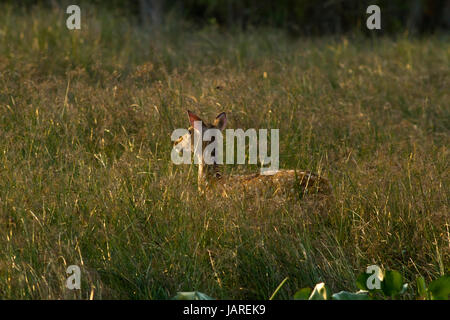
x,y
307,17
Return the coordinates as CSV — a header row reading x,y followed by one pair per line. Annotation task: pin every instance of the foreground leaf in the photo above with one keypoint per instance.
x,y
345,295
192,295
319,292
440,288
421,288
363,278
361,281
302,294
392,283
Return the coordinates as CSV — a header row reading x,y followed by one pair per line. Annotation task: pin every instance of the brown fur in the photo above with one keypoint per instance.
x,y
282,183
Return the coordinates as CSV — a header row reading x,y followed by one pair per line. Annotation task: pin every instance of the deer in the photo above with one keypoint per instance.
x,y
210,178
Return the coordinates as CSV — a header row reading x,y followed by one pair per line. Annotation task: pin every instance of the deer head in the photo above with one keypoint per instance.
x,y
198,127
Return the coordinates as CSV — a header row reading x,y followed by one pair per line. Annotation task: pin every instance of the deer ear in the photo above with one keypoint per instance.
x,y
193,117
221,121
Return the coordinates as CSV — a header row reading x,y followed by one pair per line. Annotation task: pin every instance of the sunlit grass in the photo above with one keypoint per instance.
x,y
86,177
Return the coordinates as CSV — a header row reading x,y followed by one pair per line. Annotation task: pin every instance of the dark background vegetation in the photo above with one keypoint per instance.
x,y
299,17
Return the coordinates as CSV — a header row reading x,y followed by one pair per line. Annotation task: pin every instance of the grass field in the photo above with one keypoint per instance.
x,y
86,176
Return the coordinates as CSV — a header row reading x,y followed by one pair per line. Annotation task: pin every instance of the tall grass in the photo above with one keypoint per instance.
x,y
86,177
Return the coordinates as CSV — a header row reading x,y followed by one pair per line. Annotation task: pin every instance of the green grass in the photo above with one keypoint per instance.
x,y
86,177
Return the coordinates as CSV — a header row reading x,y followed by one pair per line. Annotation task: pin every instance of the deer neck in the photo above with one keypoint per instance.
x,y
207,174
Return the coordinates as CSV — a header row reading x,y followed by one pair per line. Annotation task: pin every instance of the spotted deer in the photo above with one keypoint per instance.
x,y
282,182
